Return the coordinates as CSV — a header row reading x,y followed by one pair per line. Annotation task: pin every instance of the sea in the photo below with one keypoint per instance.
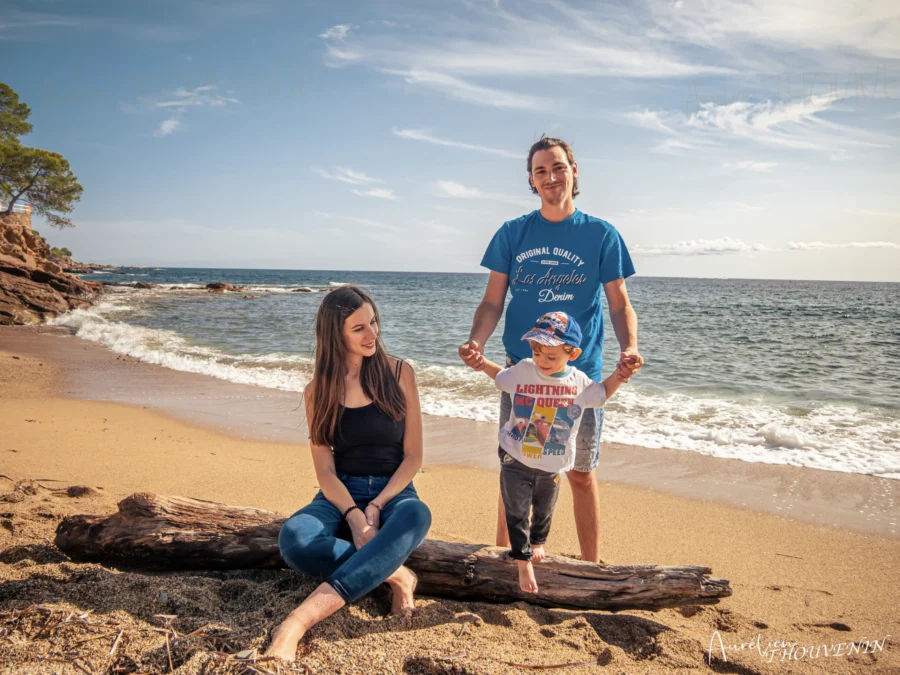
x,y
805,373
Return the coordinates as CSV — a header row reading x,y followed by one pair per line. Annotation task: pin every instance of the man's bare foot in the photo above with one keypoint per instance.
x,y
403,586
537,553
285,639
527,582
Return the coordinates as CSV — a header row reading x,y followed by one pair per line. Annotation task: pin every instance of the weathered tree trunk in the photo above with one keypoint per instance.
x,y
156,532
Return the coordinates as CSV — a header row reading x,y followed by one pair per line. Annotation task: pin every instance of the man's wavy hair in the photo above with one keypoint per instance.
x,y
545,144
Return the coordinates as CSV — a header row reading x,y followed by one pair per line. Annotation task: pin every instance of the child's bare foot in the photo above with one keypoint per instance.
x,y
537,553
403,586
285,639
527,582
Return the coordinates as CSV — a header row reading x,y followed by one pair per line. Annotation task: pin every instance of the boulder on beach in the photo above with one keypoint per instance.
x,y
145,285
223,287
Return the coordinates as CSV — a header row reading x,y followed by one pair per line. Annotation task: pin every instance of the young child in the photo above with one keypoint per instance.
x,y
537,444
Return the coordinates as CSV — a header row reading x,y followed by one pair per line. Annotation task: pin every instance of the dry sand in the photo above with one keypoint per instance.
x,y
792,581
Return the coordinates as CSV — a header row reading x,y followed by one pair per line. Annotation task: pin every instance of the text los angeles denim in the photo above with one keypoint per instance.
x,y
317,541
526,491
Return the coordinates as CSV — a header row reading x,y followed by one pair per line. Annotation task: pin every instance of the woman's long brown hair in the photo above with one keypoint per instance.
x,y
376,376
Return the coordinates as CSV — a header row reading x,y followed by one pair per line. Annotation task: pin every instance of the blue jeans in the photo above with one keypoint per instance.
x,y
317,541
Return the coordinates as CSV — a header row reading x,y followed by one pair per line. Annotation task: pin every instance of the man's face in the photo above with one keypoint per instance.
x,y
552,175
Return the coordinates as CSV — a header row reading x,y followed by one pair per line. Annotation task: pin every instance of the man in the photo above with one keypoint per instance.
x,y
558,258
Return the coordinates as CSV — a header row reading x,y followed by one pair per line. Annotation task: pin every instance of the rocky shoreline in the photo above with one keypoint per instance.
x,y
33,287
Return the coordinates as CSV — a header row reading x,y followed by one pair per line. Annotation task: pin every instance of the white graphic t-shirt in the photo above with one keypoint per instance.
x,y
546,414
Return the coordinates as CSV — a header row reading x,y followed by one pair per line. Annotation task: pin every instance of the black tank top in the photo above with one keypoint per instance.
x,y
369,443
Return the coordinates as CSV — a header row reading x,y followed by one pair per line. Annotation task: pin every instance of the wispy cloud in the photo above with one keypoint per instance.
x,y
346,175
692,247
367,222
449,188
379,193
339,32
728,246
168,126
749,165
820,245
465,55
26,25
797,125
737,206
177,103
877,214
463,90
745,26
672,214
205,95
426,137
439,227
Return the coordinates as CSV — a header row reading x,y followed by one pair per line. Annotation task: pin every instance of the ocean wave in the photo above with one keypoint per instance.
x,y
828,436
284,289
168,349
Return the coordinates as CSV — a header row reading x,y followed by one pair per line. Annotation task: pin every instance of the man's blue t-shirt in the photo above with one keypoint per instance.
x,y
558,267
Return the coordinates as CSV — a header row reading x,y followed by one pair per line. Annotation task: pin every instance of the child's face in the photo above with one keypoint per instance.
x,y
552,360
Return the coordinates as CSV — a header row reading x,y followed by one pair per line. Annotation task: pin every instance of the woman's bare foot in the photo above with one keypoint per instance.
x,y
285,639
403,586
537,553
527,582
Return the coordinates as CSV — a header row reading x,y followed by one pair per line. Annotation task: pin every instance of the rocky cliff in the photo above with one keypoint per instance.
x,y
33,288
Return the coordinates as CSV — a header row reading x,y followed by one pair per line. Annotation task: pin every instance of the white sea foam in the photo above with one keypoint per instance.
x,y
168,349
834,437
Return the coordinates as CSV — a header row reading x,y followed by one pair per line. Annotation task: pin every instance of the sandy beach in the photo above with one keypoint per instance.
x,y
811,555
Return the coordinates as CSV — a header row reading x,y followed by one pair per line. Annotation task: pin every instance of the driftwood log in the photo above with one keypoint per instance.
x,y
178,533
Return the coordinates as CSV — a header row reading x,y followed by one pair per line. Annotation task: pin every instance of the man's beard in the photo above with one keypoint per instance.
x,y
554,198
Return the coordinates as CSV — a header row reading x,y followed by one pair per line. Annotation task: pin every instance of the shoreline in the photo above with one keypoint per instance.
x,y
90,371
792,581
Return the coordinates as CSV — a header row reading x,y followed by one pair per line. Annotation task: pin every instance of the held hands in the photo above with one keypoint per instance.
x,y
472,355
629,364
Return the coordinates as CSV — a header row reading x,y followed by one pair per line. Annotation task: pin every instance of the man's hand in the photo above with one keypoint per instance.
x,y
362,532
629,364
472,355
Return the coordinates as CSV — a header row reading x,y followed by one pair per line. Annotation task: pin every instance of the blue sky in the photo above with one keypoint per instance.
x,y
741,139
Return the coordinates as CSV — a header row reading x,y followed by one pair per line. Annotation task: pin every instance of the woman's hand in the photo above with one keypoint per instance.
x,y
362,532
373,516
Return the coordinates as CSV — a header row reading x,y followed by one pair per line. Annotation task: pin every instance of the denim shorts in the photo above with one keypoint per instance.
x,y
587,443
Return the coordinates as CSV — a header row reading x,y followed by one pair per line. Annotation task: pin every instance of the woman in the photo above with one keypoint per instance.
x,y
365,430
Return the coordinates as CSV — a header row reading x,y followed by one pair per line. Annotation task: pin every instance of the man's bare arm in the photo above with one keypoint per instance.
x,y
488,314
625,324
485,321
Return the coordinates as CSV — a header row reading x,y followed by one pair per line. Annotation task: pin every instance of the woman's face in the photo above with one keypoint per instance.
x,y
361,331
